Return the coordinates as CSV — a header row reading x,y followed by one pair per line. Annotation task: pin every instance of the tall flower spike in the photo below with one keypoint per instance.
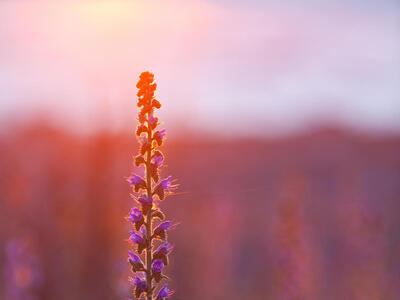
x,y
147,218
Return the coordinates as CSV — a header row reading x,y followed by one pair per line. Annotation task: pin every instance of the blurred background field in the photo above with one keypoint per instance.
x,y
311,216
283,122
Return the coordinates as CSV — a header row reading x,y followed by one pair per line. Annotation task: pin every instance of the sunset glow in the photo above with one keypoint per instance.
x,y
199,149
85,53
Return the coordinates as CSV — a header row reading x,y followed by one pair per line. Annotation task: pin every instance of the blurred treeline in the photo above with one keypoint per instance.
x,y
312,216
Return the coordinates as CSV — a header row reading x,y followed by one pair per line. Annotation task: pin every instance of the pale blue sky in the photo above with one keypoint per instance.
x,y
224,66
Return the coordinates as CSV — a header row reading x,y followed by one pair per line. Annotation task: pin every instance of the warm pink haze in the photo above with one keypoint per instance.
x,y
237,64
272,126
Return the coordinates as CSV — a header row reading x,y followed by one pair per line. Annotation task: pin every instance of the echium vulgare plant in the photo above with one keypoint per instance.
x,y
149,226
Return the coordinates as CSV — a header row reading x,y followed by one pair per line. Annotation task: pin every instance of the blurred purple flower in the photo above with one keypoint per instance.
x,y
164,185
162,252
160,230
135,261
140,286
137,182
23,272
157,160
140,283
136,217
153,120
162,133
137,239
133,257
145,200
135,179
163,249
158,265
156,269
164,293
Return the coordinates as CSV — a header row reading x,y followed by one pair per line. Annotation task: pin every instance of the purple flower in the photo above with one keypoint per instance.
x,y
145,200
163,249
135,261
152,120
133,257
140,286
157,266
162,133
134,179
156,269
157,160
162,252
136,217
137,239
21,259
160,230
164,293
137,182
140,283
164,225
164,185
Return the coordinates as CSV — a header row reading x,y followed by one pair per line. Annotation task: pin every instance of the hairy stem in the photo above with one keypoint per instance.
x,y
148,220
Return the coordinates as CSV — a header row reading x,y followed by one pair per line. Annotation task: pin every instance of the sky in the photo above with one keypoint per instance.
x,y
226,67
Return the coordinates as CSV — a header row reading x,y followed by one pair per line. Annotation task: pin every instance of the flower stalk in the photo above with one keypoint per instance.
x,y
149,192
148,220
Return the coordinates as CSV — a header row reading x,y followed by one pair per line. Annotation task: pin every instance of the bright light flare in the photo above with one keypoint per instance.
x,y
109,14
